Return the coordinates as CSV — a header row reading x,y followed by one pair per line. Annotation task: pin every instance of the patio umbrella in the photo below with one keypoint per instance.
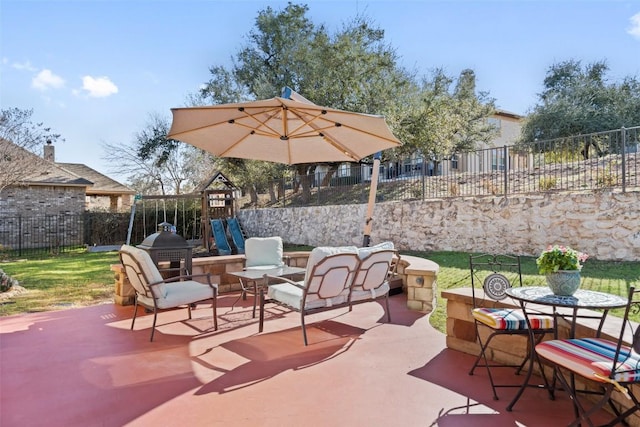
x,y
288,129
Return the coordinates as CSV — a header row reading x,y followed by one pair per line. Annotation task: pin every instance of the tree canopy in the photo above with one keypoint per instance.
x,y
580,100
352,69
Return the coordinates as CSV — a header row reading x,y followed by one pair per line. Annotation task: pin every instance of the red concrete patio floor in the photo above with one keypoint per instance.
x,y
84,367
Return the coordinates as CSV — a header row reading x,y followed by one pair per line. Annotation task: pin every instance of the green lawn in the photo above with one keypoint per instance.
x,y
606,276
74,279
80,279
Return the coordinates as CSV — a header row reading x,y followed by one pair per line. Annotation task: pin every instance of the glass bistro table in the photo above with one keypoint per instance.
x,y
252,279
564,307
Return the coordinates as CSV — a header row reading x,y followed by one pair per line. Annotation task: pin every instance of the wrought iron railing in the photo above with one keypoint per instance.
x,y
599,161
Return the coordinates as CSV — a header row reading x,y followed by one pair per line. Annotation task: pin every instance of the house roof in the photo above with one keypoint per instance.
x,y
506,113
46,172
102,184
43,172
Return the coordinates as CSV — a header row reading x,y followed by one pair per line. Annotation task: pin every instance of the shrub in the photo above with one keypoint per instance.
x,y
6,281
547,183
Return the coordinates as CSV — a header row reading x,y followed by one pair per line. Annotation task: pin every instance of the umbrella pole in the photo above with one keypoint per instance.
x,y
372,199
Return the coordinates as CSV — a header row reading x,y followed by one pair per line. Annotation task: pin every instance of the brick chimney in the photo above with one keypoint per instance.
x,y
49,151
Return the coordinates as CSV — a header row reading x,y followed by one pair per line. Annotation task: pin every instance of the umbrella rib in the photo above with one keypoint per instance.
x,y
329,138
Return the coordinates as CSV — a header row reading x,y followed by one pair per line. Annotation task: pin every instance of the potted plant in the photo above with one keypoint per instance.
x,y
561,266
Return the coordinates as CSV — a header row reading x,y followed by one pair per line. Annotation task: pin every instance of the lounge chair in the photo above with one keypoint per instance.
x,y
157,293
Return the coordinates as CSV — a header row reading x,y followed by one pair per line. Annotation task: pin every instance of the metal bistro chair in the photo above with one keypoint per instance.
x,y
491,276
610,363
157,293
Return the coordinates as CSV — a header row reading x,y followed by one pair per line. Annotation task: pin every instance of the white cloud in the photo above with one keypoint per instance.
x,y
634,29
45,79
99,87
24,66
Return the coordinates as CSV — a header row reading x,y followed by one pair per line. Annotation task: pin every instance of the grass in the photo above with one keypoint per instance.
x,y
81,279
613,277
71,280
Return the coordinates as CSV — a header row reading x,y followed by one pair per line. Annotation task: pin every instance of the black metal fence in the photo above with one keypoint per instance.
x,y
41,235
605,160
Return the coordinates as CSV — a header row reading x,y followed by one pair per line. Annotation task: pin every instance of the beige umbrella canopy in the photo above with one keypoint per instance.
x,y
283,131
289,130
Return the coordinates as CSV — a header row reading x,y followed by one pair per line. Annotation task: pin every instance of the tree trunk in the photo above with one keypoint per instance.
x,y
272,191
305,182
253,194
327,179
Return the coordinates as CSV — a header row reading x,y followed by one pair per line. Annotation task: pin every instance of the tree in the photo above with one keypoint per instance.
x,y
441,121
352,70
19,137
581,100
155,164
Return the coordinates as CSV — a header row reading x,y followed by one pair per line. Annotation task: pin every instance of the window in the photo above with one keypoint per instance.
x,y
454,161
496,123
497,160
344,170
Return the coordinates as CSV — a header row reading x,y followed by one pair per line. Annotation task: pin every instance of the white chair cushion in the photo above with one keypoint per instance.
x,y
264,251
366,251
181,293
373,270
362,294
149,269
321,252
291,295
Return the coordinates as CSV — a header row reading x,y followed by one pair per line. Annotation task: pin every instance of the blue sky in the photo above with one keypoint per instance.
x,y
95,70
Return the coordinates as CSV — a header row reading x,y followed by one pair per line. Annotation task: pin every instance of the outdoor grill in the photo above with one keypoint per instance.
x,y
167,246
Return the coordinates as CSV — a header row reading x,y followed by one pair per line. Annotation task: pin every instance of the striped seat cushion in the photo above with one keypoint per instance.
x,y
510,319
590,356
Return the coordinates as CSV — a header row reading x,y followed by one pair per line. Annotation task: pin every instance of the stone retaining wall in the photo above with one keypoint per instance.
x,y
606,225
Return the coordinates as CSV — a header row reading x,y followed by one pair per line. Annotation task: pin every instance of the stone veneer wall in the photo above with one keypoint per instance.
x,y
606,225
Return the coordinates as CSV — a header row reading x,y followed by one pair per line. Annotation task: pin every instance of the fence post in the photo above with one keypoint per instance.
x,y
284,190
19,235
424,182
624,163
507,165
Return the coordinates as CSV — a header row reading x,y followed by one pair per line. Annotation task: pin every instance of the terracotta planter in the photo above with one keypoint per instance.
x,y
564,282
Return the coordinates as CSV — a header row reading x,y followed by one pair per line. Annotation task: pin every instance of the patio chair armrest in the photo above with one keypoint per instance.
x,y
185,277
268,278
